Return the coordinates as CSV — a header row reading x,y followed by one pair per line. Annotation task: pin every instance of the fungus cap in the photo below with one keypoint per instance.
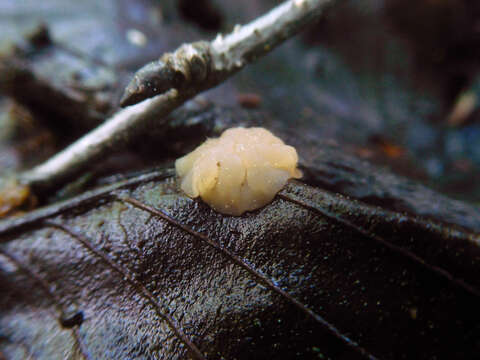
x,y
241,170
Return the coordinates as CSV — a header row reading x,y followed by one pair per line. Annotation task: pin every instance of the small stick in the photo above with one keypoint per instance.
x,y
120,130
172,80
203,65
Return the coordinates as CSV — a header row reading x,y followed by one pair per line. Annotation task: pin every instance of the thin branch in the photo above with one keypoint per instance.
x,y
22,82
174,79
118,131
69,103
203,65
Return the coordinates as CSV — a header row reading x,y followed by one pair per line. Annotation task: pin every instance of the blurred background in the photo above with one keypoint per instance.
x,y
392,82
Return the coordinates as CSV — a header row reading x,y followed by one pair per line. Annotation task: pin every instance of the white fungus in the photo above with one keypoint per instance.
x,y
242,170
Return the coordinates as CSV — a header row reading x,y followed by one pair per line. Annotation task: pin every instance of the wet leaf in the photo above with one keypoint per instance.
x,y
158,275
309,276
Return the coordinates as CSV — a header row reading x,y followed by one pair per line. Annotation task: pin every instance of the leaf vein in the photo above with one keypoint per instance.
x,y
138,286
383,242
52,295
255,273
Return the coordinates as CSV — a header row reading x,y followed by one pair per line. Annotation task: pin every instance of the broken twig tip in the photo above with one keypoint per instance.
x,y
131,97
185,69
143,85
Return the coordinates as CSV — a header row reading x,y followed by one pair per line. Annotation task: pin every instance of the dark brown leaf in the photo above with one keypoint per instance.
x,y
312,275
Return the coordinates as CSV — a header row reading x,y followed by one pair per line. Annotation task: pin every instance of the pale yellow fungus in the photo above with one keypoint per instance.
x,y
242,170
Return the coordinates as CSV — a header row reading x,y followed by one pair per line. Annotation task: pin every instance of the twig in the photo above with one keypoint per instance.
x,y
20,81
203,65
177,76
71,103
119,130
